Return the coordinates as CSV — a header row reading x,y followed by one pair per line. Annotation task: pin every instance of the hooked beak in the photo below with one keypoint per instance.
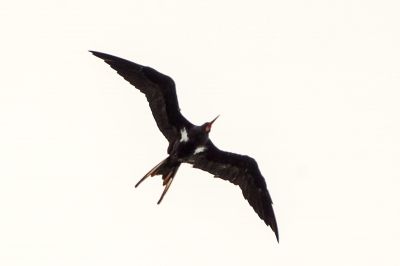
x,y
209,124
213,120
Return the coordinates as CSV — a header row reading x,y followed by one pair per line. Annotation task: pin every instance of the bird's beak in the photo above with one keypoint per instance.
x,y
213,120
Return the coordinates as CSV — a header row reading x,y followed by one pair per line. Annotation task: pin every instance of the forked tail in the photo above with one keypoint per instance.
x,y
167,168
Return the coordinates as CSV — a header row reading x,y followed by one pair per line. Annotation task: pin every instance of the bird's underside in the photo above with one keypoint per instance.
x,y
189,143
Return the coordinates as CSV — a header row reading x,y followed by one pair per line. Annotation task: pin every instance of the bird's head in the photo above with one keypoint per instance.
x,y
207,126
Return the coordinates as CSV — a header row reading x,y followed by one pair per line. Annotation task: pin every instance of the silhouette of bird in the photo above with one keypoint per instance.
x,y
191,144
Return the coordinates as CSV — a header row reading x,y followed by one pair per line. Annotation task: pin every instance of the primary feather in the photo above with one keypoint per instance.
x,y
159,90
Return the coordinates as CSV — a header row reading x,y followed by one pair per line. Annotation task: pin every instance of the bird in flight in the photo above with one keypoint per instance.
x,y
189,143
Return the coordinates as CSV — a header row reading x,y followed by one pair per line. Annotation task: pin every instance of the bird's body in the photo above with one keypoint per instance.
x,y
191,144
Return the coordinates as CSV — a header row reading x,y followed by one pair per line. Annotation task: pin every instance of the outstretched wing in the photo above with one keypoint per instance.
x,y
159,90
243,171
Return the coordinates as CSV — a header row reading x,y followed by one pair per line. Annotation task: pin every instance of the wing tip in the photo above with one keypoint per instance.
x,y
270,220
274,225
98,54
275,230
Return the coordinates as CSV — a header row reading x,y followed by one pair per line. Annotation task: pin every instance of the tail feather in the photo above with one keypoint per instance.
x,y
167,168
152,172
168,181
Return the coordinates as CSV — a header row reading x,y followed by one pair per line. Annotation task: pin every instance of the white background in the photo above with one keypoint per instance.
x,y
308,88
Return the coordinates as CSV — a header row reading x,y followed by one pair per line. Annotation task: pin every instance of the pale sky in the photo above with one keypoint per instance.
x,y
310,89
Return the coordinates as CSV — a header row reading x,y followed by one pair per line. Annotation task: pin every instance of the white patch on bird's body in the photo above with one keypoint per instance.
x,y
184,135
199,149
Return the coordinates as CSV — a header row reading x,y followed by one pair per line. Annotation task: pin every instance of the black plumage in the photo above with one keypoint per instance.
x,y
189,143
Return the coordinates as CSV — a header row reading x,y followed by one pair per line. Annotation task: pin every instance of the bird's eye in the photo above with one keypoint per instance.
x,y
208,128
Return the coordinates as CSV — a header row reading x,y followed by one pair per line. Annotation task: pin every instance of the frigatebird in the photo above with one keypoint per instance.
x,y
189,143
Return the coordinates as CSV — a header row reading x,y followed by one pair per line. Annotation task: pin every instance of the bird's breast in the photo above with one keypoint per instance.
x,y
184,150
